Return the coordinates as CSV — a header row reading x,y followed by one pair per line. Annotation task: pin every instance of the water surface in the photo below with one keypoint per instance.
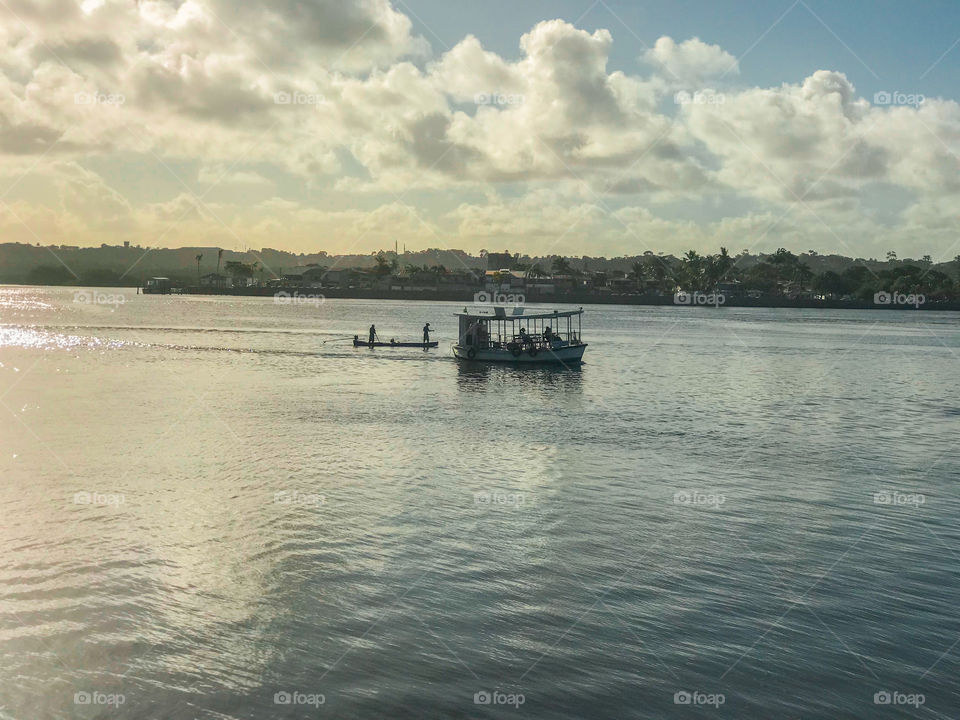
x,y
208,501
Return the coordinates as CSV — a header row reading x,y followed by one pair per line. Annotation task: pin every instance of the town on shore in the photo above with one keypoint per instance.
x,y
778,279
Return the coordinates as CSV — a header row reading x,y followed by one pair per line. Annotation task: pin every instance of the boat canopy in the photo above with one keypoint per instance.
x,y
500,313
495,330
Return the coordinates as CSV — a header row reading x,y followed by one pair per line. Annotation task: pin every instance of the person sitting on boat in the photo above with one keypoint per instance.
x,y
547,334
426,333
373,334
524,338
482,335
473,333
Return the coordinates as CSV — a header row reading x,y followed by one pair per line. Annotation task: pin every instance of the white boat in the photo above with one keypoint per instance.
x,y
518,337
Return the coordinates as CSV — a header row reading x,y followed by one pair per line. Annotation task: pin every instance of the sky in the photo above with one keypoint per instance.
x,y
561,127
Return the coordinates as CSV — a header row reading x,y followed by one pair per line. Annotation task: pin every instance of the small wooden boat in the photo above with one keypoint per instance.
x,y
357,342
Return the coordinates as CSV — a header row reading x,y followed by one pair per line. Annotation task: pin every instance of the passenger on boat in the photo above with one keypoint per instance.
x,y
547,334
473,333
373,333
426,333
482,335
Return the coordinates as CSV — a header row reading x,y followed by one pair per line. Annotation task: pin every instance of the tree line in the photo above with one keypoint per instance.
x,y
776,274
784,272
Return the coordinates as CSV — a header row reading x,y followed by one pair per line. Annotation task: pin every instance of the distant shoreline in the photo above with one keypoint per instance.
x,y
290,294
574,299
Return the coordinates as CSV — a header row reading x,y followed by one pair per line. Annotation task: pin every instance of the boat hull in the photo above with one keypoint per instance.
x,y
361,343
568,355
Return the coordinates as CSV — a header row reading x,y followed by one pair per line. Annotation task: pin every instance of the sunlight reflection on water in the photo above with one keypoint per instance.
x,y
209,502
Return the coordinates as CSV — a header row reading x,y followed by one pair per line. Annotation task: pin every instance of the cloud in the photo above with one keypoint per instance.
x,y
332,122
354,35
560,113
782,143
690,62
467,70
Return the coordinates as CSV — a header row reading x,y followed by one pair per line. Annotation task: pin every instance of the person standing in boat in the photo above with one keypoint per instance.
x,y
373,334
426,333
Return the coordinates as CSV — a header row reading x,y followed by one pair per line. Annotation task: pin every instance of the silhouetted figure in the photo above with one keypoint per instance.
x,y
547,334
426,333
373,334
473,333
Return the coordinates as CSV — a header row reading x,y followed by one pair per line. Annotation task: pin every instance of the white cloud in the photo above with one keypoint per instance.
x,y
690,62
564,137
796,141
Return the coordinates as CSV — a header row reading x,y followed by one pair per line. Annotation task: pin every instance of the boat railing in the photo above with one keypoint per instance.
x,y
540,342
483,341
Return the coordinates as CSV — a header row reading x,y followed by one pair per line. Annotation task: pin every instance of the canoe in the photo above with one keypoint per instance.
x,y
361,343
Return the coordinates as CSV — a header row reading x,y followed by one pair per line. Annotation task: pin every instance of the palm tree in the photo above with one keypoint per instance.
x,y
724,261
199,258
785,263
219,255
561,266
383,266
714,268
784,260
535,271
638,270
692,269
803,273
655,269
